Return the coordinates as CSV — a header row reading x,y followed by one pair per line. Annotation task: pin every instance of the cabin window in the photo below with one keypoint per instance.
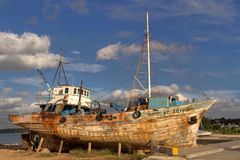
x,y
84,93
66,90
60,91
79,91
75,91
87,94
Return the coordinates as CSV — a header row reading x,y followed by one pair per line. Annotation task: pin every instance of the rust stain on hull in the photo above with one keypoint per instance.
x,y
166,126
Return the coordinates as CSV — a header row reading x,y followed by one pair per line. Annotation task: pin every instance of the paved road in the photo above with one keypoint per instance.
x,y
225,155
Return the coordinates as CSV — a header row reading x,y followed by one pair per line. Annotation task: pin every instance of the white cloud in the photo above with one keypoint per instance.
x,y
173,89
227,105
24,94
10,102
75,52
7,89
84,67
113,51
26,81
25,108
78,5
26,62
27,43
160,90
210,11
26,51
52,8
16,104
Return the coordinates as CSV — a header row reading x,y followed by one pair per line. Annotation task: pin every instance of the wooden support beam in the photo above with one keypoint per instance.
x,y
60,147
119,149
89,147
40,144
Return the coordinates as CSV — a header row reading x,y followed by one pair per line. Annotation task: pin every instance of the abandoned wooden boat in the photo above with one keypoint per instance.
x,y
144,121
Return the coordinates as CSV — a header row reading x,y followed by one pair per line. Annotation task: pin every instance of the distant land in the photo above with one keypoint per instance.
x,y
13,130
221,125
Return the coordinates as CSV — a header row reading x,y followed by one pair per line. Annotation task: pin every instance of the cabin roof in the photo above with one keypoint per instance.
x,y
72,86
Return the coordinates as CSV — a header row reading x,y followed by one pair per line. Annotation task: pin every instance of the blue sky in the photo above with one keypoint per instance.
x,y
101,39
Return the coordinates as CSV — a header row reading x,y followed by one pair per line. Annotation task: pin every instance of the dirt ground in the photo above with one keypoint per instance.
x,y
7,154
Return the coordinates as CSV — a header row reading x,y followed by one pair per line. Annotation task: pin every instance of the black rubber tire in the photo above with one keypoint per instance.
x,y
63,120
99,117
136,114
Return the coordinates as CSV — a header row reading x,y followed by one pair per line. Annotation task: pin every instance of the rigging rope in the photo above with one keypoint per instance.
x,y
180,68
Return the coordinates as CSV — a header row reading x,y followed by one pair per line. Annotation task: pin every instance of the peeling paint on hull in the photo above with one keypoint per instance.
x,y
166,126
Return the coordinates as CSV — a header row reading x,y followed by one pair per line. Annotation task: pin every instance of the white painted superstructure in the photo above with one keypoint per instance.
x,y
70,95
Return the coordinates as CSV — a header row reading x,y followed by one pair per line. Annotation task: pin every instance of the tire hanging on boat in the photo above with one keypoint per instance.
x,y
62,120
136,114
99,117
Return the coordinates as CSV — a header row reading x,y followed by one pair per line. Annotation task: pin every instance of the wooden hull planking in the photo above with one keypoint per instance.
x,y
165,126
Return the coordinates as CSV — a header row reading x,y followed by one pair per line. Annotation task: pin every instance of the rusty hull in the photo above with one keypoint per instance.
x,y
165,126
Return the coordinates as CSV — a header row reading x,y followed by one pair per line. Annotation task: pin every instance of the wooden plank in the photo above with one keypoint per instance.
x,y
89,147
40,144
119,149
60,147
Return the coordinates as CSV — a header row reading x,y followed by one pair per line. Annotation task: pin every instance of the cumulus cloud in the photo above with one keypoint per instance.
x,y
10,102
173,89
24,94
16,104
33,81
27,43
26,62
227,105
160,90
84,67
26,51
113,51
25,108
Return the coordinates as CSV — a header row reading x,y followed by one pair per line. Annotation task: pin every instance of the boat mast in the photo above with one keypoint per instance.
x,y
148,55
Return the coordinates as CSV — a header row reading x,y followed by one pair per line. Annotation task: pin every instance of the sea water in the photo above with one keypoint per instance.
x,y
10,138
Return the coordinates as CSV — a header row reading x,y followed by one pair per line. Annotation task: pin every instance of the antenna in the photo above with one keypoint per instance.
x,y
142,78
49,88
58,73
148,53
